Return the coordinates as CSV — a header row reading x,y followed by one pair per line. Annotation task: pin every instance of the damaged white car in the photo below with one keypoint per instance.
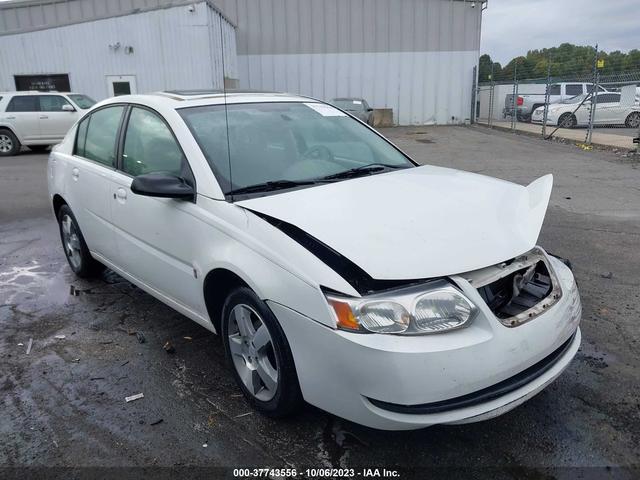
x,y
337,270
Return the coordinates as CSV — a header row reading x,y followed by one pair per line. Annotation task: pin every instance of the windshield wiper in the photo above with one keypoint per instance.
x,y
270,186
362,170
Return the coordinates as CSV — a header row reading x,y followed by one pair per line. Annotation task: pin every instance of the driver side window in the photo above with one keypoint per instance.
x,y
149,146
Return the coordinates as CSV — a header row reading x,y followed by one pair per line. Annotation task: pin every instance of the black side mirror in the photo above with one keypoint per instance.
x,y
163,186
369,109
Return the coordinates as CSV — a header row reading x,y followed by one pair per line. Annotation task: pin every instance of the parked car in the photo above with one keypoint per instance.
x,y
336,269
608,111
527,103
37,119
358,107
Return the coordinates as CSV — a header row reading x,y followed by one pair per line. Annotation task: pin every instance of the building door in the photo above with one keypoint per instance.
x,y
121,85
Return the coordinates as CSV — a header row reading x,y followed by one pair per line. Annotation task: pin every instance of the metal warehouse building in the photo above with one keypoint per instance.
x,y
417,57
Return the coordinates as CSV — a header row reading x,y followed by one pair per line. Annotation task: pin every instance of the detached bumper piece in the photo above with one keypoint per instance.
x,y
484,395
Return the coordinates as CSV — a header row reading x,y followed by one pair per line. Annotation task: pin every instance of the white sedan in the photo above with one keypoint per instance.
x,y
576,111
337,270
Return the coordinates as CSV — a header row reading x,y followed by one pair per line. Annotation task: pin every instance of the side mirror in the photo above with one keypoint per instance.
x,y
68,108
369,109
163,186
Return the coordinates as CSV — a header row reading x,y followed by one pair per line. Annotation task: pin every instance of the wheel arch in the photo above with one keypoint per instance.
x,y
57,203
217,286
4,126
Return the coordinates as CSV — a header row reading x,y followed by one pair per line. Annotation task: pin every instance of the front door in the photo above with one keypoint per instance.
x,y
155,236
57,115
121,85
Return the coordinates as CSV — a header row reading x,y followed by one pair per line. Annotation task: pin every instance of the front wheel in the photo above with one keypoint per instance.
x,y
75,248
259,354
633,120
9,144
567,120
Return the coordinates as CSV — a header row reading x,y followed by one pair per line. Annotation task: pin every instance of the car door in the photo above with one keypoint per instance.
x,y
90,170
22,114
155,236
609,111
57,116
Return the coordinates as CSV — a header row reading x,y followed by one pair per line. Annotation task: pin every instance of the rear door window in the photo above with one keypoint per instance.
x,y
23,103
102,133
574,89
555,90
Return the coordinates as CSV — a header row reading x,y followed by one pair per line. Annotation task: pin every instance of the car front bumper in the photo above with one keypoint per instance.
x,y
382,381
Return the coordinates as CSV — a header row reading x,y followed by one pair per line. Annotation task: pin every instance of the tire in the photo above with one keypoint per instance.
x,y
38,148
9,143
567,120
74,246
633,120
261,360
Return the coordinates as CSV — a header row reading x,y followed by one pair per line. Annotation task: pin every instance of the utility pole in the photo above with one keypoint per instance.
x,y
594,97
514,97
491,99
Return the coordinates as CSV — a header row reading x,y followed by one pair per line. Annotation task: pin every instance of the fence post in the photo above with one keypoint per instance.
x,y
514,99
594,97
474,94
546,99
491,99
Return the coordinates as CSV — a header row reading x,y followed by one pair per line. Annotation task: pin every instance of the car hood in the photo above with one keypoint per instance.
x,y
417,223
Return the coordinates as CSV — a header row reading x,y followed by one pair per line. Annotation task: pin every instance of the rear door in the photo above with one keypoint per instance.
x,y
55,122
608,110
90,172
22,114
155,236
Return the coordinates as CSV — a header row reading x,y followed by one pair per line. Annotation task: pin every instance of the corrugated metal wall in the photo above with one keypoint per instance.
x,y
172,48
415,56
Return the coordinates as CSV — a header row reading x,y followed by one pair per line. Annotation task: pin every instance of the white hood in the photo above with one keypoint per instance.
x,y
417,223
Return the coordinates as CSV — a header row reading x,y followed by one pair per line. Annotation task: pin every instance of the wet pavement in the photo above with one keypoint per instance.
x,y
63,404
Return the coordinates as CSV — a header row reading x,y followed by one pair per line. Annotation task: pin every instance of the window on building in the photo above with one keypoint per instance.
x,y
149,146
102,132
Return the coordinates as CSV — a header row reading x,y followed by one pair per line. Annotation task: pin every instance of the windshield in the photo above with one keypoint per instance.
x,y
82,101
349,104
283,143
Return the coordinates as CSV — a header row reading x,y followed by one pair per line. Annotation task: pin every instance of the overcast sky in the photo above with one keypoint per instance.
x,y
511,27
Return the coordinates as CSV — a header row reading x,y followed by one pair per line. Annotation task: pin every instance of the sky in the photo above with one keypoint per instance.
x,y
511,27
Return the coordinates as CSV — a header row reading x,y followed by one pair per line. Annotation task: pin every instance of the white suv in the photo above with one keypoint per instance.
x,y
37,119
335,268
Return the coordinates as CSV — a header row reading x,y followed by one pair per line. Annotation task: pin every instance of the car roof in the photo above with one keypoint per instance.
x,y
194,98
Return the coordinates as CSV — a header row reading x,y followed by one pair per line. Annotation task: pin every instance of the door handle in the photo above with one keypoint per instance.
x,y
9,118
75,173
121,194
43,117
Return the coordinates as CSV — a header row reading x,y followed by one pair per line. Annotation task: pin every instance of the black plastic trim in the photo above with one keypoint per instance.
x,y
486,394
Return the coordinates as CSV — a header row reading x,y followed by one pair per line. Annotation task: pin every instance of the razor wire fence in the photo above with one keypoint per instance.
x,y
576,101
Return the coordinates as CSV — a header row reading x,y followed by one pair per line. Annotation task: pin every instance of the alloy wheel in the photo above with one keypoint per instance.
x,y
6,143
71,241
633,120
252,352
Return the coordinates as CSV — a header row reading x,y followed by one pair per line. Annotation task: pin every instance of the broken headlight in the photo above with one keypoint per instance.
x,y
434,308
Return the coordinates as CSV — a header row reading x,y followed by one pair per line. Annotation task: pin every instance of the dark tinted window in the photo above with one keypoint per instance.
x,y
52,103
555,90
149,146
23,103
573,89
81,136
100,144
608,98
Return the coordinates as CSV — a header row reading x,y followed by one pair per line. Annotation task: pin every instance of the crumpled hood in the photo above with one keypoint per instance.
x,y
417,223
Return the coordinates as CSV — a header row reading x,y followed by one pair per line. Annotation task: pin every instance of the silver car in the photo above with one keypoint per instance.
x,y
358,107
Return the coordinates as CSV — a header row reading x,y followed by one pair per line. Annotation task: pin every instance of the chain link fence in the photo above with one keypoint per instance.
x,y
583,105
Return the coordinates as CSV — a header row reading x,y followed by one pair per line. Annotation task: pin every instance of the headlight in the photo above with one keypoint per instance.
x,y
432,308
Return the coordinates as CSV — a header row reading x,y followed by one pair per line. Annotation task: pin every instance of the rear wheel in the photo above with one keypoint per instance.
x,y
567,120
259,354
633,120
75,248
38,148
9,144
